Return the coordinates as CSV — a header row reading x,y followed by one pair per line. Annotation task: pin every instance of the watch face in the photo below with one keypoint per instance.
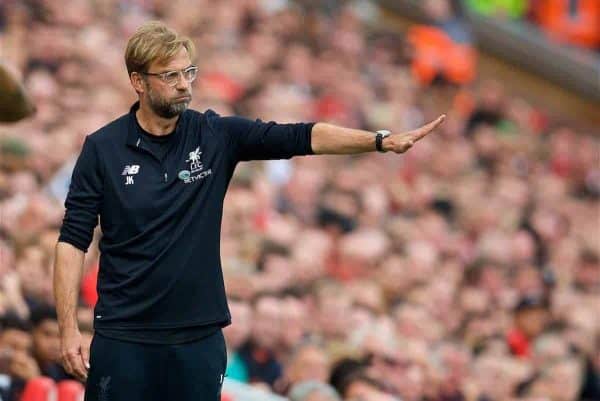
x,y
384,132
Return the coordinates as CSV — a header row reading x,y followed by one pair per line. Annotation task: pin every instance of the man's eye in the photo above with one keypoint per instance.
x,y
169,76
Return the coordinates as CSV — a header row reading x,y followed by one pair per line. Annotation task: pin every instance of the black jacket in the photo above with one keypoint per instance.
x,y
161,221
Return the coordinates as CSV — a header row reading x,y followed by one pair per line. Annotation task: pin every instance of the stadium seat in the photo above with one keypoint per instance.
x,y
39,389
435,54
459,66
580,26
70,390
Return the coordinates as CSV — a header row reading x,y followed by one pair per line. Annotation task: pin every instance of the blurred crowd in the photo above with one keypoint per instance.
x,y
465,269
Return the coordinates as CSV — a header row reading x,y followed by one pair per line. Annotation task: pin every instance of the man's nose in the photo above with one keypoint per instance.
x,y
182,83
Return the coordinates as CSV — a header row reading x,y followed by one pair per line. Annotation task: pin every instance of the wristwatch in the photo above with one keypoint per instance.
x,y
379,139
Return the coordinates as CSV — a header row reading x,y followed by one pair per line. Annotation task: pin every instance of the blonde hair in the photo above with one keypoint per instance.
x,y
154,41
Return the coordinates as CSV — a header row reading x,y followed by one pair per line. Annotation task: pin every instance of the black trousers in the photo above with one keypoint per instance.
x,y
127,371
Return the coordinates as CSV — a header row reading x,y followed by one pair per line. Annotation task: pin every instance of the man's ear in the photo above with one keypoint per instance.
x,y
137,81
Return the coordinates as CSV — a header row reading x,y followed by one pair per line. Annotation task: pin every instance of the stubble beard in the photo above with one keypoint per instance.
x,y
166,108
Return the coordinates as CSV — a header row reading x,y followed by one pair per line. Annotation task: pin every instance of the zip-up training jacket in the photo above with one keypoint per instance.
x,y
161,221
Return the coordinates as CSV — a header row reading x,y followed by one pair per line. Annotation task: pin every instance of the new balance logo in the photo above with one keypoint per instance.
x,y
131,170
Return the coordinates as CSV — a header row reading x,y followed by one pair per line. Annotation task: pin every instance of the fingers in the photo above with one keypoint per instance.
x,y
67,364
85,356
74,364
79,370
426,129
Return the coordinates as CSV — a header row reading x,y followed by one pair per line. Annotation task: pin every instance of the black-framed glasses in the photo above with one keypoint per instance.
x,y
172,77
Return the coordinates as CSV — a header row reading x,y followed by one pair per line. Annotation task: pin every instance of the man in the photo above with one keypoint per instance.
x,y
17,365
530,320
157,177
259,353
309,362
46,342
236,336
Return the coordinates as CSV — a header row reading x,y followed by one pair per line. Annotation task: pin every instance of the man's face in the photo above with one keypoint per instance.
x,y
311,363
16,341
46,341
531,321
266,325
168,101
13,342
241,316
294,319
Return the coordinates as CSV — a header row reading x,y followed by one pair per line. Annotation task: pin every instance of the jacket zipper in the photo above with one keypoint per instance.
x,y
160,163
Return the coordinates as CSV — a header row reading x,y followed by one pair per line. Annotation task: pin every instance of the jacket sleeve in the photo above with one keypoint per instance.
x,y
83,201
258,140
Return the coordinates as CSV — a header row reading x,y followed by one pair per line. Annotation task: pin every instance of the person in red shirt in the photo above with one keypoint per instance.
x,y
530,319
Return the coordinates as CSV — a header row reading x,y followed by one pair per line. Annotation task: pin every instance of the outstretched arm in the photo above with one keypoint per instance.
x,y
331,139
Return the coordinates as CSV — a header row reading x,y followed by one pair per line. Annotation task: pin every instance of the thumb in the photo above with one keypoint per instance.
x,y
85,355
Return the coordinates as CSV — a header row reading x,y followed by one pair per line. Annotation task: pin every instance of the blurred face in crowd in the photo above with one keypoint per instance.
x,y
560,382
266,324
32,269
46,341
587,273
529,281
241,316
405,377
438,10
531,321
294,317
15,354
163,99
15,340
309,363
334,310
496,376
456,362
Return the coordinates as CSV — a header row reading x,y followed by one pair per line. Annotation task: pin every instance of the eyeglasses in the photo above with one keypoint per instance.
x,y
171,78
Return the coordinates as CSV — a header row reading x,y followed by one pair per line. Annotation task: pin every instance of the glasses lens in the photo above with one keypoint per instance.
x,y
171,77
190,74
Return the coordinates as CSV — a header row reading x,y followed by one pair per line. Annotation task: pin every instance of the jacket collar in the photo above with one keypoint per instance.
x,y
134,134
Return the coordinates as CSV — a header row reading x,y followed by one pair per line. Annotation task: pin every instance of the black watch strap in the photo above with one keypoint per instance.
x,y
379,140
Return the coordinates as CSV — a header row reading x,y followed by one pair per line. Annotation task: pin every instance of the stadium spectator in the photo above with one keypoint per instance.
x,y
259,352
308,362
530,320
17,364
46,342
236,335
